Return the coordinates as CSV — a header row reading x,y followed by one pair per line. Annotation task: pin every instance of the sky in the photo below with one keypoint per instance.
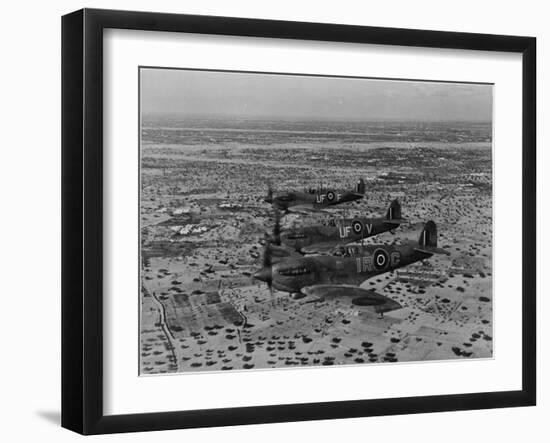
x,y
281,96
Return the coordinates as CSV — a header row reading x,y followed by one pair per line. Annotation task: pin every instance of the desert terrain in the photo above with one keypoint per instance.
x,y
203,217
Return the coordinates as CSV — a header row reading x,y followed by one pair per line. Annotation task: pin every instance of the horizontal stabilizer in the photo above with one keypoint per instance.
x,y
432,250
396,221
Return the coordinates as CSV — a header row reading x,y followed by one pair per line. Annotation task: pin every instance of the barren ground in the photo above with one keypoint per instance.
x,y
202,217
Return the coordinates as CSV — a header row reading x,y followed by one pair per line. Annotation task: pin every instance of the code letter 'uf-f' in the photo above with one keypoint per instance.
x,y
344,231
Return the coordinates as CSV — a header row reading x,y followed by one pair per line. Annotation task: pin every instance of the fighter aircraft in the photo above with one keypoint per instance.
x,y
323,238
340,275
314,199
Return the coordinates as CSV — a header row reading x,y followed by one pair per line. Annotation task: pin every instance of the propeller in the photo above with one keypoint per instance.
x,y
277,228
266,273
275,237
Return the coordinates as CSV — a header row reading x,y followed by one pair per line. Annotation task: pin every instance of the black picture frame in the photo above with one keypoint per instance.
x,y
82,219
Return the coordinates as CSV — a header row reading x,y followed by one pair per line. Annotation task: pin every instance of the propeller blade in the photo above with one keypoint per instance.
x,y
269,197
266,261
265,274
277,228
270,242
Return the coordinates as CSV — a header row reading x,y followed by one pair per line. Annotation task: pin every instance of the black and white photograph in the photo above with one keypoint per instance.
x,y
295,221
275,221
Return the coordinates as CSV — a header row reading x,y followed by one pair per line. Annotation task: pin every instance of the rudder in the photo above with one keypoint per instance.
x,y
428,236
360,186
394,211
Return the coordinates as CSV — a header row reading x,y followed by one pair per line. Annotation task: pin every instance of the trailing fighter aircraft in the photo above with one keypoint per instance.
x,y
314,199
340,275
323,238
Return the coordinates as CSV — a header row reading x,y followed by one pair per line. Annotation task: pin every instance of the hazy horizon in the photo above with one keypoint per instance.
x,y
335,119
252,96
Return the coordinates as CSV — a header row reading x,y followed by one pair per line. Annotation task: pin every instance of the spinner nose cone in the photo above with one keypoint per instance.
x,y
263,274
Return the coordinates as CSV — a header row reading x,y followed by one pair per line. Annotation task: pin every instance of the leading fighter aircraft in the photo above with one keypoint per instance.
x,y
313,199
323,238
340,275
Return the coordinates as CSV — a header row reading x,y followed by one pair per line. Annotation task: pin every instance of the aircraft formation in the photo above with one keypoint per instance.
x,y
331,260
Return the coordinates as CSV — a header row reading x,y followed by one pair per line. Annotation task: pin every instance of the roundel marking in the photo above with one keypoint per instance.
x,y
381,259
357,226
330,196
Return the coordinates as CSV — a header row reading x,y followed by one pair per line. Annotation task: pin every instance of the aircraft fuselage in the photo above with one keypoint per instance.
x,y
316,200
353,267
341,232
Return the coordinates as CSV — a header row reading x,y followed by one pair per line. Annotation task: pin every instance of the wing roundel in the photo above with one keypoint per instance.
x,y
381,259
357,226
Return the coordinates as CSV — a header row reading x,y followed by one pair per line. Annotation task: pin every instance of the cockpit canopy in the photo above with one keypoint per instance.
x,y
347,251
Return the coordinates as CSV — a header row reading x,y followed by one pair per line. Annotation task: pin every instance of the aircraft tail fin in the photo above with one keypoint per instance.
x,y
394,211
269,197
360,186
428,240
428,236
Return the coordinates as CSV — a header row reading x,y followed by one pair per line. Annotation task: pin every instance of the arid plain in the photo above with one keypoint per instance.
x,y
203,217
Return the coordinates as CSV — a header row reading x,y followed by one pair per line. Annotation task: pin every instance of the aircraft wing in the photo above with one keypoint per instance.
x,y
305,208
320,248
432,250
360,296
279,253
309,208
